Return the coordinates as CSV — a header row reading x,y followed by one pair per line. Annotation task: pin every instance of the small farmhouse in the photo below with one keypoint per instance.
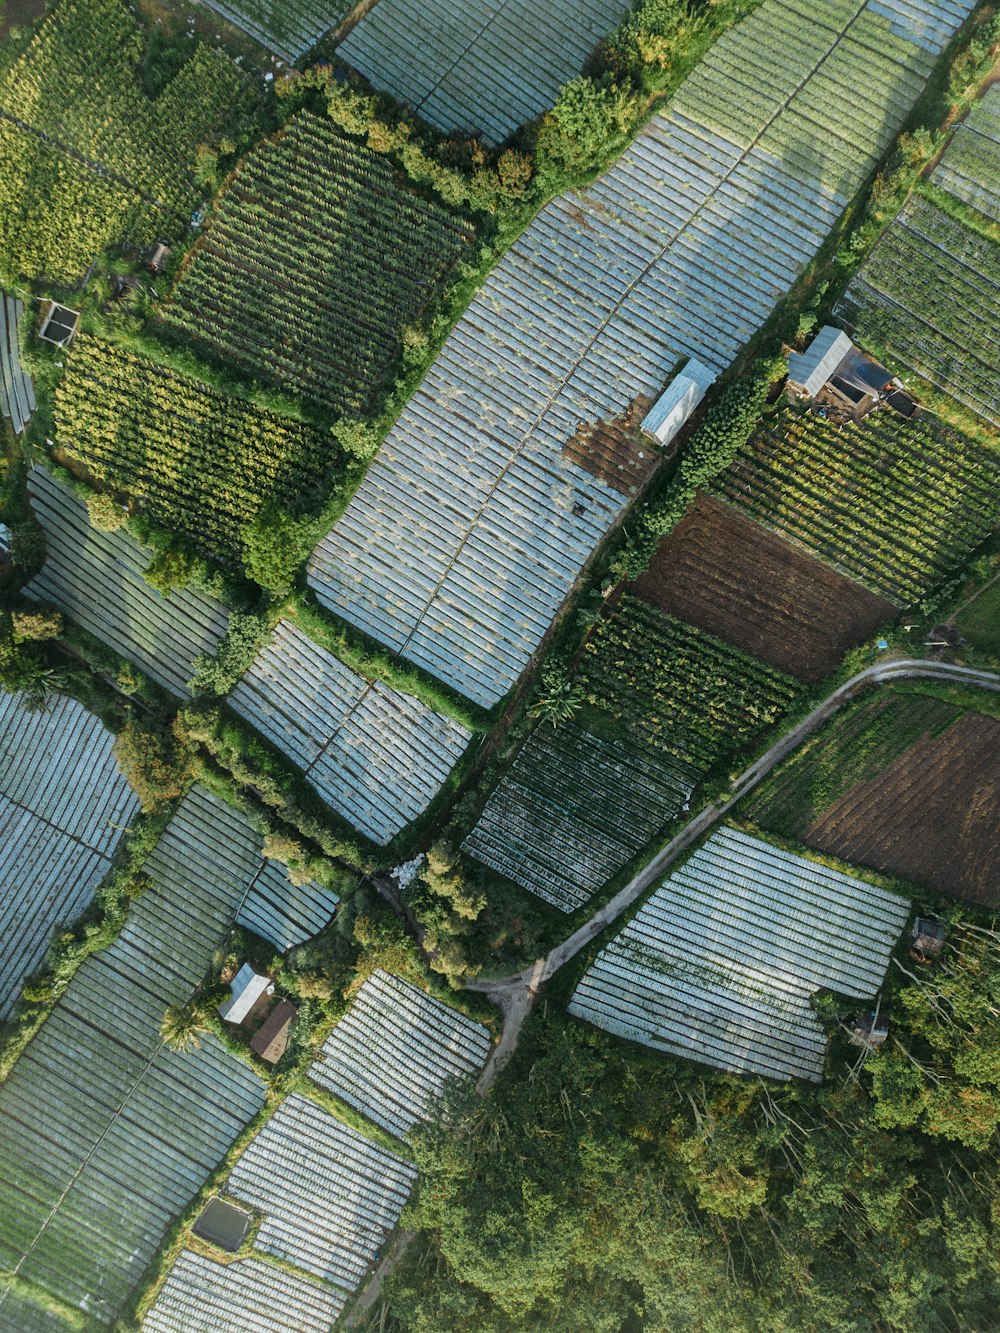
x,y
928,940
271,1041
834,374
867,1030
247,987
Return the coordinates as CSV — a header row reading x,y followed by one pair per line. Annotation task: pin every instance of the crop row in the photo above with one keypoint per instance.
x,y
573,809
678,688
894,504
197,461
316,258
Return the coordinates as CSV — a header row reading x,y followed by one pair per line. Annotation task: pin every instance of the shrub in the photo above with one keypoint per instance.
x,y
151,761
585,124
39,623
106,515
169,570
275,545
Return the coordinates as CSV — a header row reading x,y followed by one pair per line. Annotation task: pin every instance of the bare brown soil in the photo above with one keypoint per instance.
x,y
725,574
617,451
932,817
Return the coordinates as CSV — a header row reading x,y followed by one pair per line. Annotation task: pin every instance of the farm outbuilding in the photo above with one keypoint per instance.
x,y
675,405
808,371
247,987
928,939
869,1030
271,1040
59,323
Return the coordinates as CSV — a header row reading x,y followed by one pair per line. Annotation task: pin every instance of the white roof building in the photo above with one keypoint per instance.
x,y
678,400
808,371
247,987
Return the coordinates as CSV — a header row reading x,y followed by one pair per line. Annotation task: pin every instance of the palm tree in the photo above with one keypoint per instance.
x,y
182,1026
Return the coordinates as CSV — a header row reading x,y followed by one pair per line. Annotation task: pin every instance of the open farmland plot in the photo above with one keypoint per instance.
x,y
488,65
87,157
678,689
720,963
725,574
290,28
970,167
933,816
471,526
107,1133
96,579
395,1050
287,914
928,294
895,505
198,462
329,1196
63,807
315,258
573,810
250,1296
377,756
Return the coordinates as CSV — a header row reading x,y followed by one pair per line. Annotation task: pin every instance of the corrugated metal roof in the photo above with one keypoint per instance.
x,y
813,367
681,396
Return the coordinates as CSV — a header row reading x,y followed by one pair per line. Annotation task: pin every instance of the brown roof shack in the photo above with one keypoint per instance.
x,y
272,1035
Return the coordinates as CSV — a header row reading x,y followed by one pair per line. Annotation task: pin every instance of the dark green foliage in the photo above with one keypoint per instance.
x,y
217,675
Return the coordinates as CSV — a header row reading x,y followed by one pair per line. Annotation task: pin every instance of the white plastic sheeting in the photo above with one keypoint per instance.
x,y
720,963
249,1296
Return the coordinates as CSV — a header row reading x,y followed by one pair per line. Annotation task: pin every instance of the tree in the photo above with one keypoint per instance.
x,y
557,698
152,762
275,546
106,515
588,120
183,1025
37,624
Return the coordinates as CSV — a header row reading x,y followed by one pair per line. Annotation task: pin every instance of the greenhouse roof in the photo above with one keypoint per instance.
x,y
812,368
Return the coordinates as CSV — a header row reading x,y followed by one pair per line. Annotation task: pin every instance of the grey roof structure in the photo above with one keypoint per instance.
x,y
810,370
680,398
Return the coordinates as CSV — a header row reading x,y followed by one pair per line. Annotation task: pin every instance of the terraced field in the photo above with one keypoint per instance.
x,y
377,756
249,1296
196,461
727,575
573,809
904,783
329,1196
488,66
290,28
107,1133
63,808
88,158
719,964
677,689
472,525
970,167
928,294
96,579
894,505
287,914
396,1049
316,257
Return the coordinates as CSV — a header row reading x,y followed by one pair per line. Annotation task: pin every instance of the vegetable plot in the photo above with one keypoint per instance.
x,y
329,1196
196,461
489,66
395,1049
290,28
970,167
315,259
719,965
573,810
678,689
63,808
377,756
928,294
471,526
893,504
96,579
108,1134
87,157
249,1296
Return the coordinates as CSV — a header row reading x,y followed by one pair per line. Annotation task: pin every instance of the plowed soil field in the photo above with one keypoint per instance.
x,y
932,817
725,574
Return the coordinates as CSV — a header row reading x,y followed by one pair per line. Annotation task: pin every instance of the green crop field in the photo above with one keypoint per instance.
x,y
855,746
87,157
893,504
314,261
197,461
677,688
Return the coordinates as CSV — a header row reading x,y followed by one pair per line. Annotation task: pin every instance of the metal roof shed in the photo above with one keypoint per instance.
x,y
675,405
247,986
808,371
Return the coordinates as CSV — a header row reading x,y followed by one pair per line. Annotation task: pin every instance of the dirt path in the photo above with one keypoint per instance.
x,y
373,1289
